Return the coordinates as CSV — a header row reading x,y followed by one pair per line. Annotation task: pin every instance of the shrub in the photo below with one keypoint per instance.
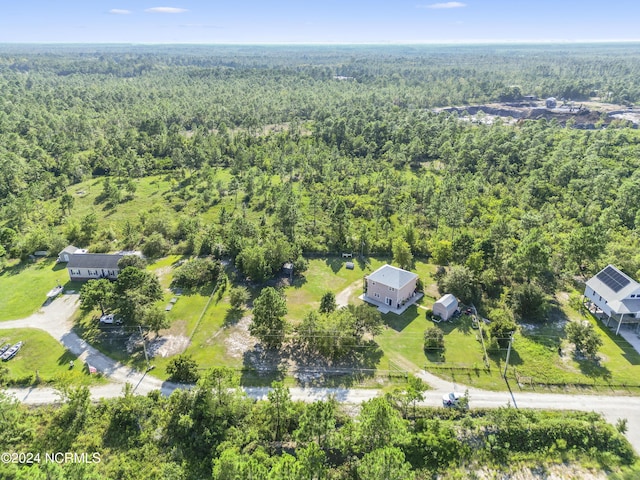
x,y
433,339
584,337
238,296
197,272
501,327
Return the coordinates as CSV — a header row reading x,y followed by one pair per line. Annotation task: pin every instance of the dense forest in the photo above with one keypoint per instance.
x,y
215,431
326,149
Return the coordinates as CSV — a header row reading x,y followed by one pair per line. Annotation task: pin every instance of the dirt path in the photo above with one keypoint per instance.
x,y
342,298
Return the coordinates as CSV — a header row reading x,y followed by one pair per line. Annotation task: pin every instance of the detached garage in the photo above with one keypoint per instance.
x,y
446,306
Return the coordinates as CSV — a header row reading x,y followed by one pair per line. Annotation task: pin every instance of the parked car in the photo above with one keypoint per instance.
x,y
451,399
110,319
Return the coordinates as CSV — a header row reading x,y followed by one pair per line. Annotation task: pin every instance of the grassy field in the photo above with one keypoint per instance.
x,y
44,355
324,275
24,286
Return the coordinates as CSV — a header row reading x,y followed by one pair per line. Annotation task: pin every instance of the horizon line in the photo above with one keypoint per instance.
x,y
380,43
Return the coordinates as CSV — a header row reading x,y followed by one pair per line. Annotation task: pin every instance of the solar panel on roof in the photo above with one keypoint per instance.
x,y
613,279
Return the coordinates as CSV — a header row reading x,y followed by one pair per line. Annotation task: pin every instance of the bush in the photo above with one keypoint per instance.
x,y
584,337
501,327
238,296
155,246
197,272
433,339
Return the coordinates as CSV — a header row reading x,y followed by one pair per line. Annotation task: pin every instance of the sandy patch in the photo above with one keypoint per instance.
x,y
164,346
167,346
342,298
239,340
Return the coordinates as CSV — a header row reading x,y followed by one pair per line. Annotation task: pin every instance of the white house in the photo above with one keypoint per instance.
x,y
616,295
91,266
392,287
446,306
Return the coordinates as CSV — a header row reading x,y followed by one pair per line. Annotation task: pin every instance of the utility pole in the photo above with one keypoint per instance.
x,y
144,347
506,365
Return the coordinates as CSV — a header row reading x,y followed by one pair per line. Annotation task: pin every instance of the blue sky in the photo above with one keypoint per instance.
x,y
319,21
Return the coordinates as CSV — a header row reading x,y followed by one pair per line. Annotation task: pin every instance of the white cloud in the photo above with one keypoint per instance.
x,y
119,11
445,5
166,10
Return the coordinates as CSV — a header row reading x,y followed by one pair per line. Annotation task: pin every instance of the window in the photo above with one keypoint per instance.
x,y
392,289
633,296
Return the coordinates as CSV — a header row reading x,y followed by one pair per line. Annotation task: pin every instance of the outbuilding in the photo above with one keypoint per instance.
x,y
65,255
446,306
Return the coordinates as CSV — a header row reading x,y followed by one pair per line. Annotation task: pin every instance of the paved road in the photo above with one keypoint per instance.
x,y
55,319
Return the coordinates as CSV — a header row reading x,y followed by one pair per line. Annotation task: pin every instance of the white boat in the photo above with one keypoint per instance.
x,y
54,292
9,354
4,349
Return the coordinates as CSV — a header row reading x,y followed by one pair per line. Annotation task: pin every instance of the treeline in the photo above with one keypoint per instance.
x,y
215,431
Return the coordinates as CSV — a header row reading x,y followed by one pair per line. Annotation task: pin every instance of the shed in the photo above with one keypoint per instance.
x,y
446,306
65,255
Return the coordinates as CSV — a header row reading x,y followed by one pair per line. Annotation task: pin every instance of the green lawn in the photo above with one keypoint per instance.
x,y
323,275
24,286
41,353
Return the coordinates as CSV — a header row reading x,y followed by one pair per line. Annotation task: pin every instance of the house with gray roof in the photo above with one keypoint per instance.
x,y
615,295
91,266
391,288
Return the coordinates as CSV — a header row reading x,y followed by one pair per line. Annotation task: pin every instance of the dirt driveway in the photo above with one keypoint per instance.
x,y
342,298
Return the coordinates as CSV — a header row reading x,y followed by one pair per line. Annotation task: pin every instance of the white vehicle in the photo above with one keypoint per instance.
x,y
451,399
110,319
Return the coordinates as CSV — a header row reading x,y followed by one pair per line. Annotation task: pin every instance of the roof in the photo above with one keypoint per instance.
x,y
69,249
625,306
392,276
448,301
95,260
615,286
